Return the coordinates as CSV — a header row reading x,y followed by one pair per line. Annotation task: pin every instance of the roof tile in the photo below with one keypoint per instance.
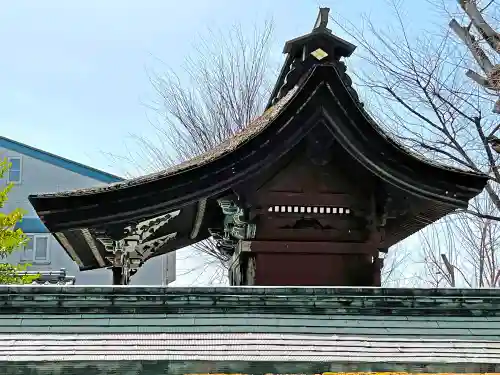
x,y
242,347
255,127
243,324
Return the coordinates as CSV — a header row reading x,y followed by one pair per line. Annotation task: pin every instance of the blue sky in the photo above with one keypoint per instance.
x,y
74,74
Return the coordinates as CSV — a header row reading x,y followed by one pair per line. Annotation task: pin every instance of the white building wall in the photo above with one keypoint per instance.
x,y
42,177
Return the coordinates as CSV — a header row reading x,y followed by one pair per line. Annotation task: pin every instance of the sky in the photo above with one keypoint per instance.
x,y
74,74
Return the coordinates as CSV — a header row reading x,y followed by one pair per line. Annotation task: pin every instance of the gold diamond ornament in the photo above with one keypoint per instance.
x,y
319,54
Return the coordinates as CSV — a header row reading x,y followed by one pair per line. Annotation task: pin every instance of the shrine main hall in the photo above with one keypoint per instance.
x,y
305,203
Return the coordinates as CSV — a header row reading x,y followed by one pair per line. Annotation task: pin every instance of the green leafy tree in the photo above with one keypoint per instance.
x,y
11,239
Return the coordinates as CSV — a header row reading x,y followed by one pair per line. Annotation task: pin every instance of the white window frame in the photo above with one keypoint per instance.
x,y
9,160
26,258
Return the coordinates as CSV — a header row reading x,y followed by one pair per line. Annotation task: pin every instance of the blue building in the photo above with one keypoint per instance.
x,y
36,171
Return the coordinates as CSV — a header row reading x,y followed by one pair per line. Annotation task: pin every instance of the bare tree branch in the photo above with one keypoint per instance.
x,y
418,91
223,85
485,33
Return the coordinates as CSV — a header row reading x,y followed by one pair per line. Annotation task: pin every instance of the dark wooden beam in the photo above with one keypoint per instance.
x,y
322,20
312,247
294,199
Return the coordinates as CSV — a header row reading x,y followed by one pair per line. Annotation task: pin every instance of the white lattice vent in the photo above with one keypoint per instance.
x,y
322,210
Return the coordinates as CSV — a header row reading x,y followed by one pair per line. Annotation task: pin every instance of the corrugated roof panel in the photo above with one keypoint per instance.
x,y
206,323
243,347
223,325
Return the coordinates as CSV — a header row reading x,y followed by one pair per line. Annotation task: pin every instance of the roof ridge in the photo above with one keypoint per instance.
x,y
58,160
239,137
332,301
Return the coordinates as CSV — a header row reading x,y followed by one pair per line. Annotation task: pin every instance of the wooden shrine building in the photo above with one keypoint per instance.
x,y
310,193
304,201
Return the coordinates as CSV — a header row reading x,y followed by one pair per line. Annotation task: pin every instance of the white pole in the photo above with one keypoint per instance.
x,y
163,270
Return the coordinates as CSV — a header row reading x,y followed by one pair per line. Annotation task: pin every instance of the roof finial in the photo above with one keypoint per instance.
x,y
322,20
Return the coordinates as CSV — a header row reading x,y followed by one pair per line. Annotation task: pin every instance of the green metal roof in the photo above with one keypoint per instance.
x,y
58,161
295,300
235,368
319,329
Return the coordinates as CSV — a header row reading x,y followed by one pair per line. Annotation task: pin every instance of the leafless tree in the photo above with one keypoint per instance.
x,y
394,272
482,41
223,84
461,251
230,78
417,89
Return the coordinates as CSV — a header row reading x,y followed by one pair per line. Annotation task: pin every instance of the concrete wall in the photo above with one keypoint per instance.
x,y
42,177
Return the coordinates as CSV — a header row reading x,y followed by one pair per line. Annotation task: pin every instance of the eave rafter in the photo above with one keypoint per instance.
x,y
140,241
128,253
200,214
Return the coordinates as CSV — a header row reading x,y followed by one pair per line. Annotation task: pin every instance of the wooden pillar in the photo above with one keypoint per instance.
x,y
279,263
117,275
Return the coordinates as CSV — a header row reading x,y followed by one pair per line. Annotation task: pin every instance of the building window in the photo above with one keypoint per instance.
x,y
36,250
14,174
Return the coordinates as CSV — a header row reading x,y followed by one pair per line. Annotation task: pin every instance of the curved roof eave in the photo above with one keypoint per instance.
x,y
290,119
398,179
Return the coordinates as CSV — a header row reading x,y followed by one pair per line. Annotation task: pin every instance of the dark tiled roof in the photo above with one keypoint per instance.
x,y
255,127
313,325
